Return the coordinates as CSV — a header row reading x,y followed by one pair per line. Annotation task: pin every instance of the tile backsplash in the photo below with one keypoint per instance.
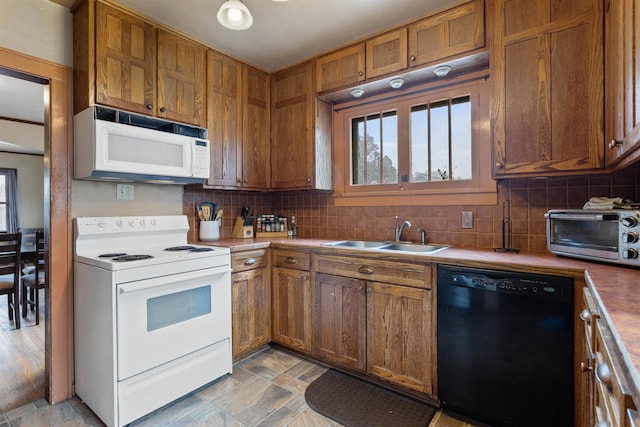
x,y
529,198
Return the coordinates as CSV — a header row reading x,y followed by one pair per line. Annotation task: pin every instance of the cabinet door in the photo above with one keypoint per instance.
x,y
547,74
251,310
292,302
340,69
451,32
622,90
181,79
399,335
125,66
224,116
387,53
341,320
292,128
256,153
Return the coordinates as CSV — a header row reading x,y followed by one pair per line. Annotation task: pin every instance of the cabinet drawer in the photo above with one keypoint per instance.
x,y
589,315
612,395
398,273
247,260
291,259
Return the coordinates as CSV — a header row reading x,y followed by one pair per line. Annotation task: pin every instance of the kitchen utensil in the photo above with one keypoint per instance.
x,y
208,210
200,214
218,215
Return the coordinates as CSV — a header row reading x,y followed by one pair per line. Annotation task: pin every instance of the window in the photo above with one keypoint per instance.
x,y
8,199
425,147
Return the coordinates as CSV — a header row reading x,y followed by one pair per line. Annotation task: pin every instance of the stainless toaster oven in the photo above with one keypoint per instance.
x,y
601,235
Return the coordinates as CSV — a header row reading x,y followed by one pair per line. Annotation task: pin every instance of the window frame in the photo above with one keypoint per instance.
x,y
481,189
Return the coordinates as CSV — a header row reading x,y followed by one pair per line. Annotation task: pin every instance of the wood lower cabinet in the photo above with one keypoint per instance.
x,y
375,316
292,300
251,302
622,73
547,63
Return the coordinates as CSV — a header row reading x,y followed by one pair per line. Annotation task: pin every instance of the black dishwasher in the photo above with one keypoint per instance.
x,y
505,346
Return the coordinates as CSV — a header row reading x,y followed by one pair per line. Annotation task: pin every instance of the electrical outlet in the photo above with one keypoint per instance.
x,y
124,191
467,219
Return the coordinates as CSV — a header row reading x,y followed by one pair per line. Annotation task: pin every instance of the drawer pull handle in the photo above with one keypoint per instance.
x,y
365,269
290,260
250,261
585,315
603,375
614,143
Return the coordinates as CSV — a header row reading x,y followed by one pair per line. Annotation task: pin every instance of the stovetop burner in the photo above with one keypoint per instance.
x,y
188,248
131,257
111,255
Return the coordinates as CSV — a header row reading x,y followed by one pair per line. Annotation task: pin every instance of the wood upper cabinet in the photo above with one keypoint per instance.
x,y
238,117
181,79
251,301
387,53
122,61
622,71
375,316
342,68
452,32
292,300
300,132
546,61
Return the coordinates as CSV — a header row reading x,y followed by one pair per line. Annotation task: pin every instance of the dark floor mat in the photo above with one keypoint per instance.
x,y
354,403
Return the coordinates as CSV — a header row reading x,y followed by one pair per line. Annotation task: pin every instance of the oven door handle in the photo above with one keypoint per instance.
x,y
582,217
172,280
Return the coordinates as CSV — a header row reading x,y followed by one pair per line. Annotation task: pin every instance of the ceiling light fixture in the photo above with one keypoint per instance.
x,y
357,93
396,83
234,15
442,70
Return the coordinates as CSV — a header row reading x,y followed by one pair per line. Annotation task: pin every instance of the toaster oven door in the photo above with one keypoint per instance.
x,y
588,235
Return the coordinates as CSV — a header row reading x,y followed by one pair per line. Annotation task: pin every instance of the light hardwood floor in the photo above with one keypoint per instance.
x,y
266,389
21,358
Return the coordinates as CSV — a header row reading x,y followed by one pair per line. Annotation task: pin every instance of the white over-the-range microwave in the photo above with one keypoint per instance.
x,y
115,145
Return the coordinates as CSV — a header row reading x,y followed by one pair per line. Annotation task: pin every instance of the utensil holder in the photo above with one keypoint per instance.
x,y
209,230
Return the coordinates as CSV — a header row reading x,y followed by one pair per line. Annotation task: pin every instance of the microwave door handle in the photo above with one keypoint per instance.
x,y
582,217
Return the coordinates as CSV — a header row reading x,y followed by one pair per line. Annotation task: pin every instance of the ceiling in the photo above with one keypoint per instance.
x,y
284,33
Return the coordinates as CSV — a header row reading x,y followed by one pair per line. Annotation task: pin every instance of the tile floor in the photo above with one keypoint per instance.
x,y
266,389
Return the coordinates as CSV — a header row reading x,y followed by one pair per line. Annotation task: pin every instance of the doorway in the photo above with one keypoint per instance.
x,y
57,218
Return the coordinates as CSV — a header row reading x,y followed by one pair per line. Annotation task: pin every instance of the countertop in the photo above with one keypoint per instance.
x,y
616,289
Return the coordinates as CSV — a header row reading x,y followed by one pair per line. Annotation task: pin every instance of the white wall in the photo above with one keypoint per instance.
x,y
30,171
43,29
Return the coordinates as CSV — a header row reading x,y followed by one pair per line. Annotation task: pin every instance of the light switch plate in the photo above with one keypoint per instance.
x,y
124,191
467,219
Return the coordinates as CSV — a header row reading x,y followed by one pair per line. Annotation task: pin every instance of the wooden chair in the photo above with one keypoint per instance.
x,y
10,273
33,282
28,240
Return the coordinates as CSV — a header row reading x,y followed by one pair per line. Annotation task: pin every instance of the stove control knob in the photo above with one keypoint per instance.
x,y
629,221
102,224
630,237
630,253
132,223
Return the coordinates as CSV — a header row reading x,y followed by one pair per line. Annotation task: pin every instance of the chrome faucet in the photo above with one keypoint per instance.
x,y
400,228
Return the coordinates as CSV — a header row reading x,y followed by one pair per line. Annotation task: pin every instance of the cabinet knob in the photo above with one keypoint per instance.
x,y
585,315
162,109
499,165
149,107
585,368
614,143
603,375
360,73
309,180
365,269
413,57
290,260
250,261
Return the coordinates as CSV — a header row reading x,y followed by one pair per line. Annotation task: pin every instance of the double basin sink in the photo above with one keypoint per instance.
x,y
426,249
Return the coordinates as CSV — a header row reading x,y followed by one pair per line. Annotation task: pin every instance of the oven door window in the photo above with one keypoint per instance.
x,y
165,318
595,235
167,310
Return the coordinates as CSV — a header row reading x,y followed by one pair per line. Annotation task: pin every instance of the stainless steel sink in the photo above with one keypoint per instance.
x,y
388,246
408,247
362,244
